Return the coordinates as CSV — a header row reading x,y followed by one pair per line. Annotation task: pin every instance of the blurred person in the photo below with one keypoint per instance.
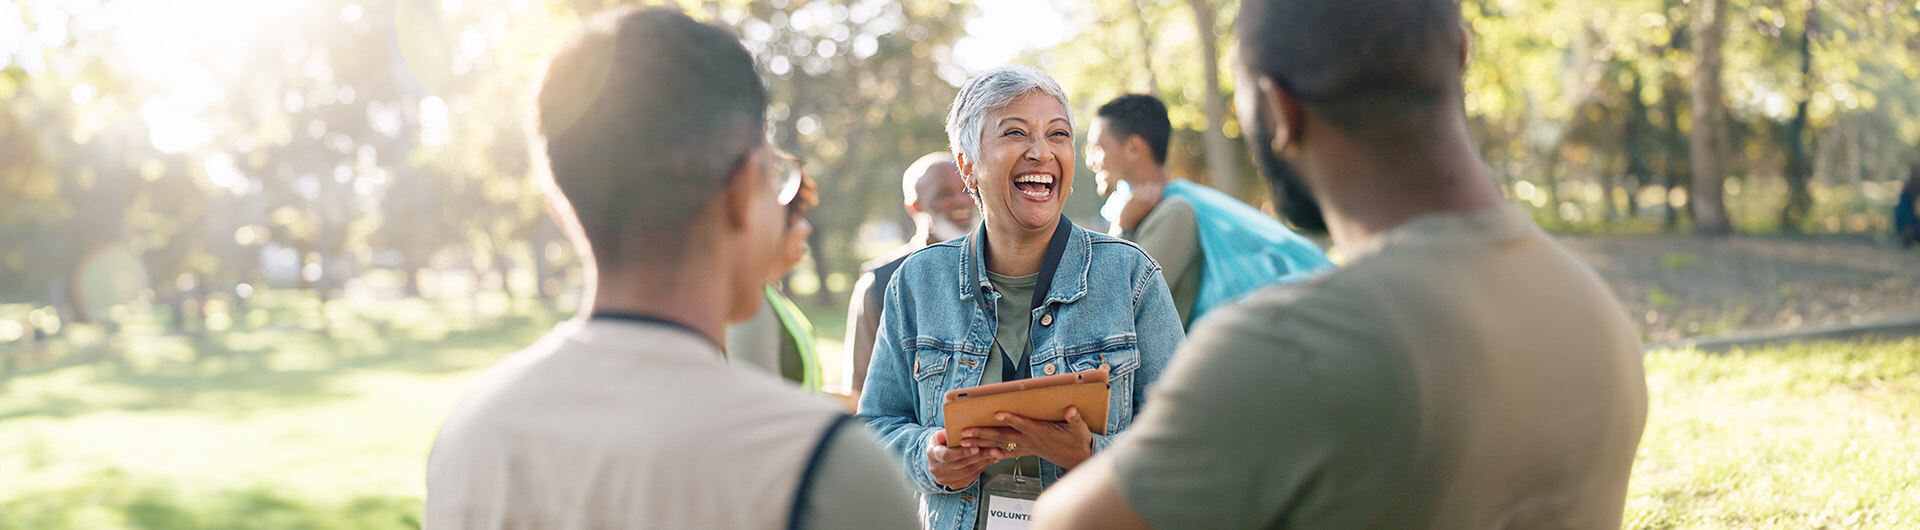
x,y
779,339
937,201
1906,214
1461,370
1026,294
651,127
1211,247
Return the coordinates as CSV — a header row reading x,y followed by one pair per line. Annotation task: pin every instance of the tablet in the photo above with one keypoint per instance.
x,y
1040,398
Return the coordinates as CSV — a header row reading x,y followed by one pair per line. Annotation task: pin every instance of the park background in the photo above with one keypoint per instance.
x,y
251,251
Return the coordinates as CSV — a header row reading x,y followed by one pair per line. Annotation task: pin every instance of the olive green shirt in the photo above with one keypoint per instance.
x,y
1462,371
1014,311
1171,236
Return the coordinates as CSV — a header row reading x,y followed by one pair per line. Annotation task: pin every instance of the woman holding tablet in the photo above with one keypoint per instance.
x,y
1027,294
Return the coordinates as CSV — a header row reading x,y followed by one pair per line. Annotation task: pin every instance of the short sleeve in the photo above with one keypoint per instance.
x,y
857,485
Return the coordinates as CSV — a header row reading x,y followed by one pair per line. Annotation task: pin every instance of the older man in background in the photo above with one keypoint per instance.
x,y
937,201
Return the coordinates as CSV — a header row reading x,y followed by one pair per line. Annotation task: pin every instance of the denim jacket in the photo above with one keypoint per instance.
x,y
1107,303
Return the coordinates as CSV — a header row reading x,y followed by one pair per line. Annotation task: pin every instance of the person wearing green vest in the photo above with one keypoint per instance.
x,y
779,339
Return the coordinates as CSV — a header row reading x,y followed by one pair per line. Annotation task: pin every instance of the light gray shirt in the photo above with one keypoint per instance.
x,y
620,424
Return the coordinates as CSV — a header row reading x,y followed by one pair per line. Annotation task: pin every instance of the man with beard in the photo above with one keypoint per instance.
x,y
937,201
1460,370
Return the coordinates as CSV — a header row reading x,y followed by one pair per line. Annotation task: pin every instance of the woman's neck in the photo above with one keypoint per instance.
x,y
1017,252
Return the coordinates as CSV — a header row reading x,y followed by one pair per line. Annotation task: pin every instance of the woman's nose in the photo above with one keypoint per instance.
x,y
1037,152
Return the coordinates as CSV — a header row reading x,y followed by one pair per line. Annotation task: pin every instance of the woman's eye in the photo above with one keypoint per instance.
x,y
1015,132
1062,134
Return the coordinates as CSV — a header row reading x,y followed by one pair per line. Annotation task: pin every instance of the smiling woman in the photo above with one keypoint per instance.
x,y
1012,133
1055,298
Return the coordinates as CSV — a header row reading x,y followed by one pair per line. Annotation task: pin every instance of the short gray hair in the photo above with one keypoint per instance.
x,y
992,91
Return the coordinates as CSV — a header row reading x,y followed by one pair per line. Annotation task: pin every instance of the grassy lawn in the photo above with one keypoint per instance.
x,y
266,426
1807,436
258,427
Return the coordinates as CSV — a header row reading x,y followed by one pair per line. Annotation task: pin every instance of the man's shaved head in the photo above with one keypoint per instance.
x,y
923,169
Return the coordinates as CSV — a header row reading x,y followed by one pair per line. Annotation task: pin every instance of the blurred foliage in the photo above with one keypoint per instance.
x,y
233,146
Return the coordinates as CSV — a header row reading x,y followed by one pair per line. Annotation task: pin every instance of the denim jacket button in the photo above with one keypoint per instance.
x,y
1049,369
1046,320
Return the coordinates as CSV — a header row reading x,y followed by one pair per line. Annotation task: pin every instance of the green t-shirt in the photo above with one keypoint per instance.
x,y
1171,235
1461,371
1014,311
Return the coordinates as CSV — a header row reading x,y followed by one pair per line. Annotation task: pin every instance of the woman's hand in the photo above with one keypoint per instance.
x,y
1065,443
957,467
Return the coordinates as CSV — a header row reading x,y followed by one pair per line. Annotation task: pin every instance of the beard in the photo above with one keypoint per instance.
x,y
1291,197
944,228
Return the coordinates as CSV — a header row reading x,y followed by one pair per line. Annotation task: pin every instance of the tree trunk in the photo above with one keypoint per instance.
x,y
411,275
1675,148
1632,140
1610,169
1146,48
1709,135
1220,153
1799,156
503,266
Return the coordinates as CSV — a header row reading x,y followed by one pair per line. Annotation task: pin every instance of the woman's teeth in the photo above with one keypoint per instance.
x,y
1037,186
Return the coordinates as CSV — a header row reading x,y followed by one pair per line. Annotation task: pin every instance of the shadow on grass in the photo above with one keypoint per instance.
x,y
261,368
115,502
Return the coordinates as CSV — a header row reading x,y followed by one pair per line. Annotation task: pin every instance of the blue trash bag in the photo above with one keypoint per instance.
x,y
1242,249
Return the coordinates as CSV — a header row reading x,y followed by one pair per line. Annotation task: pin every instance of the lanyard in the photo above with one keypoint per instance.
x,y
1010,370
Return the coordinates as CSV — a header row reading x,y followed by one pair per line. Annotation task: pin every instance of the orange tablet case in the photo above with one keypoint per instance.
x,y
1040,398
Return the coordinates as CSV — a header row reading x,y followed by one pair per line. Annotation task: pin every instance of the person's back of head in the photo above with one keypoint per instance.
x,y
653,127
643,119
1374,68
1139,115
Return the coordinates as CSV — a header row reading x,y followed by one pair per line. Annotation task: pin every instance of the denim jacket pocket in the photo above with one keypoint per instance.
x,y
930,368
928,362
1122,357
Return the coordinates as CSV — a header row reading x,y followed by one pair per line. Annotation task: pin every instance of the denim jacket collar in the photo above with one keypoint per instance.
x,y
1063,271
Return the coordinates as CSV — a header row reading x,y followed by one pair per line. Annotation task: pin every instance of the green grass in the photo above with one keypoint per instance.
x,y
275,426
281,426
1808,436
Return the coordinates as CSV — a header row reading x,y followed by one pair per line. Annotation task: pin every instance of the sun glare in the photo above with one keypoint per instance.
x,y
187,48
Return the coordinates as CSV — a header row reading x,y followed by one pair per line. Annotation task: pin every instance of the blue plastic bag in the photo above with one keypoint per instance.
x,y
1242,249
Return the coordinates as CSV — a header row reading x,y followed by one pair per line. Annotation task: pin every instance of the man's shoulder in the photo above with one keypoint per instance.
x,y
935,257
1173,217
885,264
1331,315
1107,247
1172,205
596,372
